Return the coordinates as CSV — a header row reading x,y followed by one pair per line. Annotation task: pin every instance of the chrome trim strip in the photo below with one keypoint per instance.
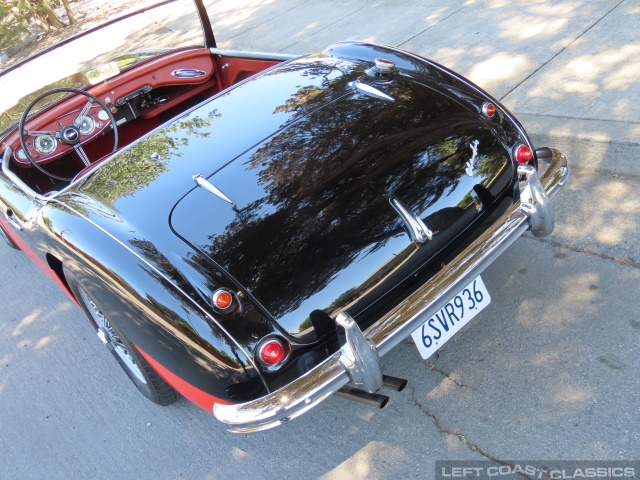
x,y
253,55
188,73
418,231
314,386
370,91
202,182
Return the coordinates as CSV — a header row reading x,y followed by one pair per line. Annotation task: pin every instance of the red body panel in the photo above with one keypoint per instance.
x,y
233,70
188,391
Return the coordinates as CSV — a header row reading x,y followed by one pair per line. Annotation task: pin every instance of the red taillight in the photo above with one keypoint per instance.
x,y
272,351
224,301
489,109
523,154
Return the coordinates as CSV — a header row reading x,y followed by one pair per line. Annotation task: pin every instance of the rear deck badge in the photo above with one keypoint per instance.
x,y
471,163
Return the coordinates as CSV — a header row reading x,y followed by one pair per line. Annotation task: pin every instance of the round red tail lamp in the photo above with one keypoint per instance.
x,y
273,351
523,154
489,110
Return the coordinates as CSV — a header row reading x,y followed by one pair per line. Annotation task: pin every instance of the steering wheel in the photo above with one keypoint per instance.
x,y
67,135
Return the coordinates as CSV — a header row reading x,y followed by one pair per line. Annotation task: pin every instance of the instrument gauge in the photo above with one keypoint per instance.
x,y
45,144
85,124
21,155
103,115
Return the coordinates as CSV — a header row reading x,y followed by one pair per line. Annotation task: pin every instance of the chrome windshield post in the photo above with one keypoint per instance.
x,y
358,356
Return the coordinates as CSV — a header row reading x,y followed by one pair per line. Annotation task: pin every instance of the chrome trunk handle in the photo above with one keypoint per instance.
x,y
418,231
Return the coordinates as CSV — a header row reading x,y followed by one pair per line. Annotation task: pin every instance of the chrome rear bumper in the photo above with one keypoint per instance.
x,y
357,363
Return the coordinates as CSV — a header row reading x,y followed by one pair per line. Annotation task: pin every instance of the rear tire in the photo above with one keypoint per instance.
x,y
146,380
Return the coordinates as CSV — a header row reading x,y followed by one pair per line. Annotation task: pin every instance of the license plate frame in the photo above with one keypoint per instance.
x,y
451,318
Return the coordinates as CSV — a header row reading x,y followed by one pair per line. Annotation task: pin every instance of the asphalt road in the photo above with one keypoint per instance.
x,y
550,370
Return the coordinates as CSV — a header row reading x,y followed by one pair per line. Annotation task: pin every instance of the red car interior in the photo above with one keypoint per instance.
x,y
141,98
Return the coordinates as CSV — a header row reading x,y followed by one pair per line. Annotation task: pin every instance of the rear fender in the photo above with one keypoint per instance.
x,y
20,210
165,324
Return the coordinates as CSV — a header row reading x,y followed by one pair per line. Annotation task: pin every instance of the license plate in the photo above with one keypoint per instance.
x,y
456,313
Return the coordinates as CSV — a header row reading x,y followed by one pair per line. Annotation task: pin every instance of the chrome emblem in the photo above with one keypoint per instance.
x,y
471,164
70,135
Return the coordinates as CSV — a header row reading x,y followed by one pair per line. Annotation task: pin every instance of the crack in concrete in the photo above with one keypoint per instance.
x,y
560,51
329,25
460,436
586,251
393,407
430,27
432,366
564,117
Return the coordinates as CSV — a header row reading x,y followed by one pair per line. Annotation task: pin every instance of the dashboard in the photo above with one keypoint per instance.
x,y
131,95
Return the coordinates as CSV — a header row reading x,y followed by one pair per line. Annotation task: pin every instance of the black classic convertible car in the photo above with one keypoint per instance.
x,y
254,231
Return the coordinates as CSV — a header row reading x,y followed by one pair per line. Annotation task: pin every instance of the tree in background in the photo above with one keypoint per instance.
x,y
67,8
17,15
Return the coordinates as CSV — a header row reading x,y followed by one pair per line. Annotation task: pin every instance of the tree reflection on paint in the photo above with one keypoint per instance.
x,y
134,168
327,180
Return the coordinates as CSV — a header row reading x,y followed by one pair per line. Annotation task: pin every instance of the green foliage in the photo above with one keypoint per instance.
x,y
14,18
16,15
134,169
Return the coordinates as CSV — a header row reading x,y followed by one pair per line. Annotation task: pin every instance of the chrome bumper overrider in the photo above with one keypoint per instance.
x,y
357,363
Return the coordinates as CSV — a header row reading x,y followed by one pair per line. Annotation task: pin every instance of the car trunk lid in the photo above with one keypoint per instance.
x,y
309,225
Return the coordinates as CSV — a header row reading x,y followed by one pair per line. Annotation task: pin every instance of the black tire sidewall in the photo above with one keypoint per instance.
x,y
155,388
